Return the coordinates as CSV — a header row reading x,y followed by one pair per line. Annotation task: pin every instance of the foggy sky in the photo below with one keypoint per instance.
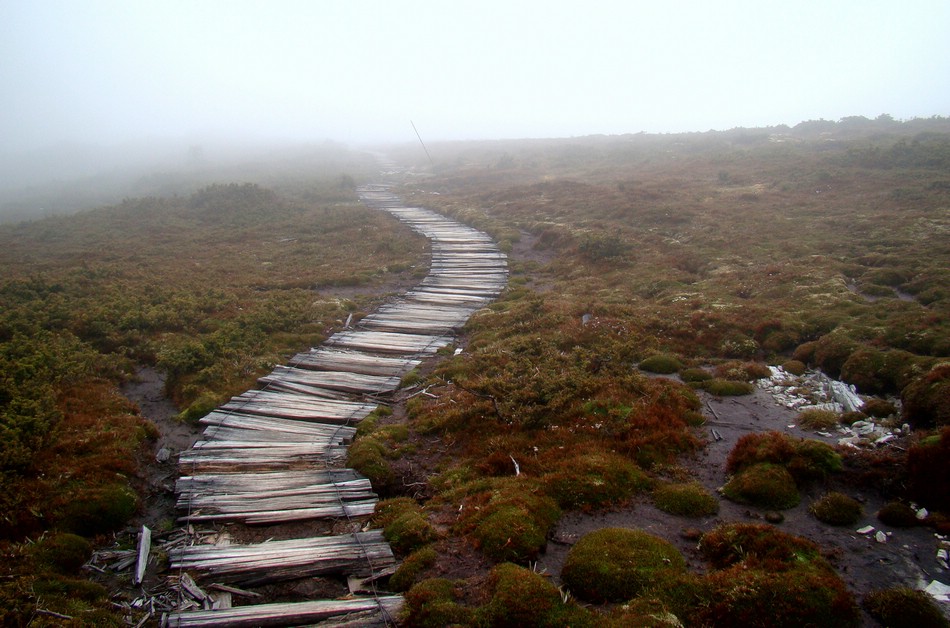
x,y
114,71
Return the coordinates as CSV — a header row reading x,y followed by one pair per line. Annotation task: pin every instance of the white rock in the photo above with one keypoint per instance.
x,y
880,537
922,514
938,590
865,530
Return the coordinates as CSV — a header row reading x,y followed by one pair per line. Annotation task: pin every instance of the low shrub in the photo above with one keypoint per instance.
x,y
741,598
903,607
742,371
758,545
63,552
763,485
595,480
661,363
897,515
815,419
794,367
772,447
832,351
727,388
878,408
926,401
813,461
413,565
616,564
520,597
928,474
807,460
837,509
101,510
685,500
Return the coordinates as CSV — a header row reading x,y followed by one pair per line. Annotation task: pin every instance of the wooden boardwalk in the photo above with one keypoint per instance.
x,y
277,454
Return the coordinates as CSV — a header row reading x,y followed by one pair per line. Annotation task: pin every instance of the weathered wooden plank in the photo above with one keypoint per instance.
x,y
234,483
327,359
360,554
334,380
262,516
382,610
388,342
300,430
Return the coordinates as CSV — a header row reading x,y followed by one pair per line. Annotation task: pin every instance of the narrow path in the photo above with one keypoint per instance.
x,y
276,454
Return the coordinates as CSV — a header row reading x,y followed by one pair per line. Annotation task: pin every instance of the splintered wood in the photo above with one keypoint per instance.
x,y
273,455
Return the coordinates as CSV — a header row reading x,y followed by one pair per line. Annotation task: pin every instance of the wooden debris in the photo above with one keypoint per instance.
x,y
145,544
382,611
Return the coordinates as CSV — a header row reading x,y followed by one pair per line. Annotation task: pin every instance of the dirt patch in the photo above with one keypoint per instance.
x,y
907,558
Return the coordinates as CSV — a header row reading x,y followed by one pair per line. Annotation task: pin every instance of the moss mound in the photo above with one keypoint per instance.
x,y
814,419
369,456
727,388
837,509
662,363
695,375
685,500
510,521
763,485
928,473
595,480
903,607
408,572
404,524
434,604
616,564
520,597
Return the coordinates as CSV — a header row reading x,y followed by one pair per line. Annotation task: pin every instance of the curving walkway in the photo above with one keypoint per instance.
x,y
276,454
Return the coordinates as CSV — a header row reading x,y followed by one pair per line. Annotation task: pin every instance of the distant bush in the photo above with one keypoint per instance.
x,y
661,363
603,247
807,460
832,352
685,500
837,509
616,564
742,371
903,607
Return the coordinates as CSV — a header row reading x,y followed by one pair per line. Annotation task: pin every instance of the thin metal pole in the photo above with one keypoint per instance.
x,y
421,142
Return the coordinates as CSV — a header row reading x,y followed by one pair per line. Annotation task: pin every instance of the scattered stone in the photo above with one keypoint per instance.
x,y
880,537
774,517
938,591
163,454
922,514
865,530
